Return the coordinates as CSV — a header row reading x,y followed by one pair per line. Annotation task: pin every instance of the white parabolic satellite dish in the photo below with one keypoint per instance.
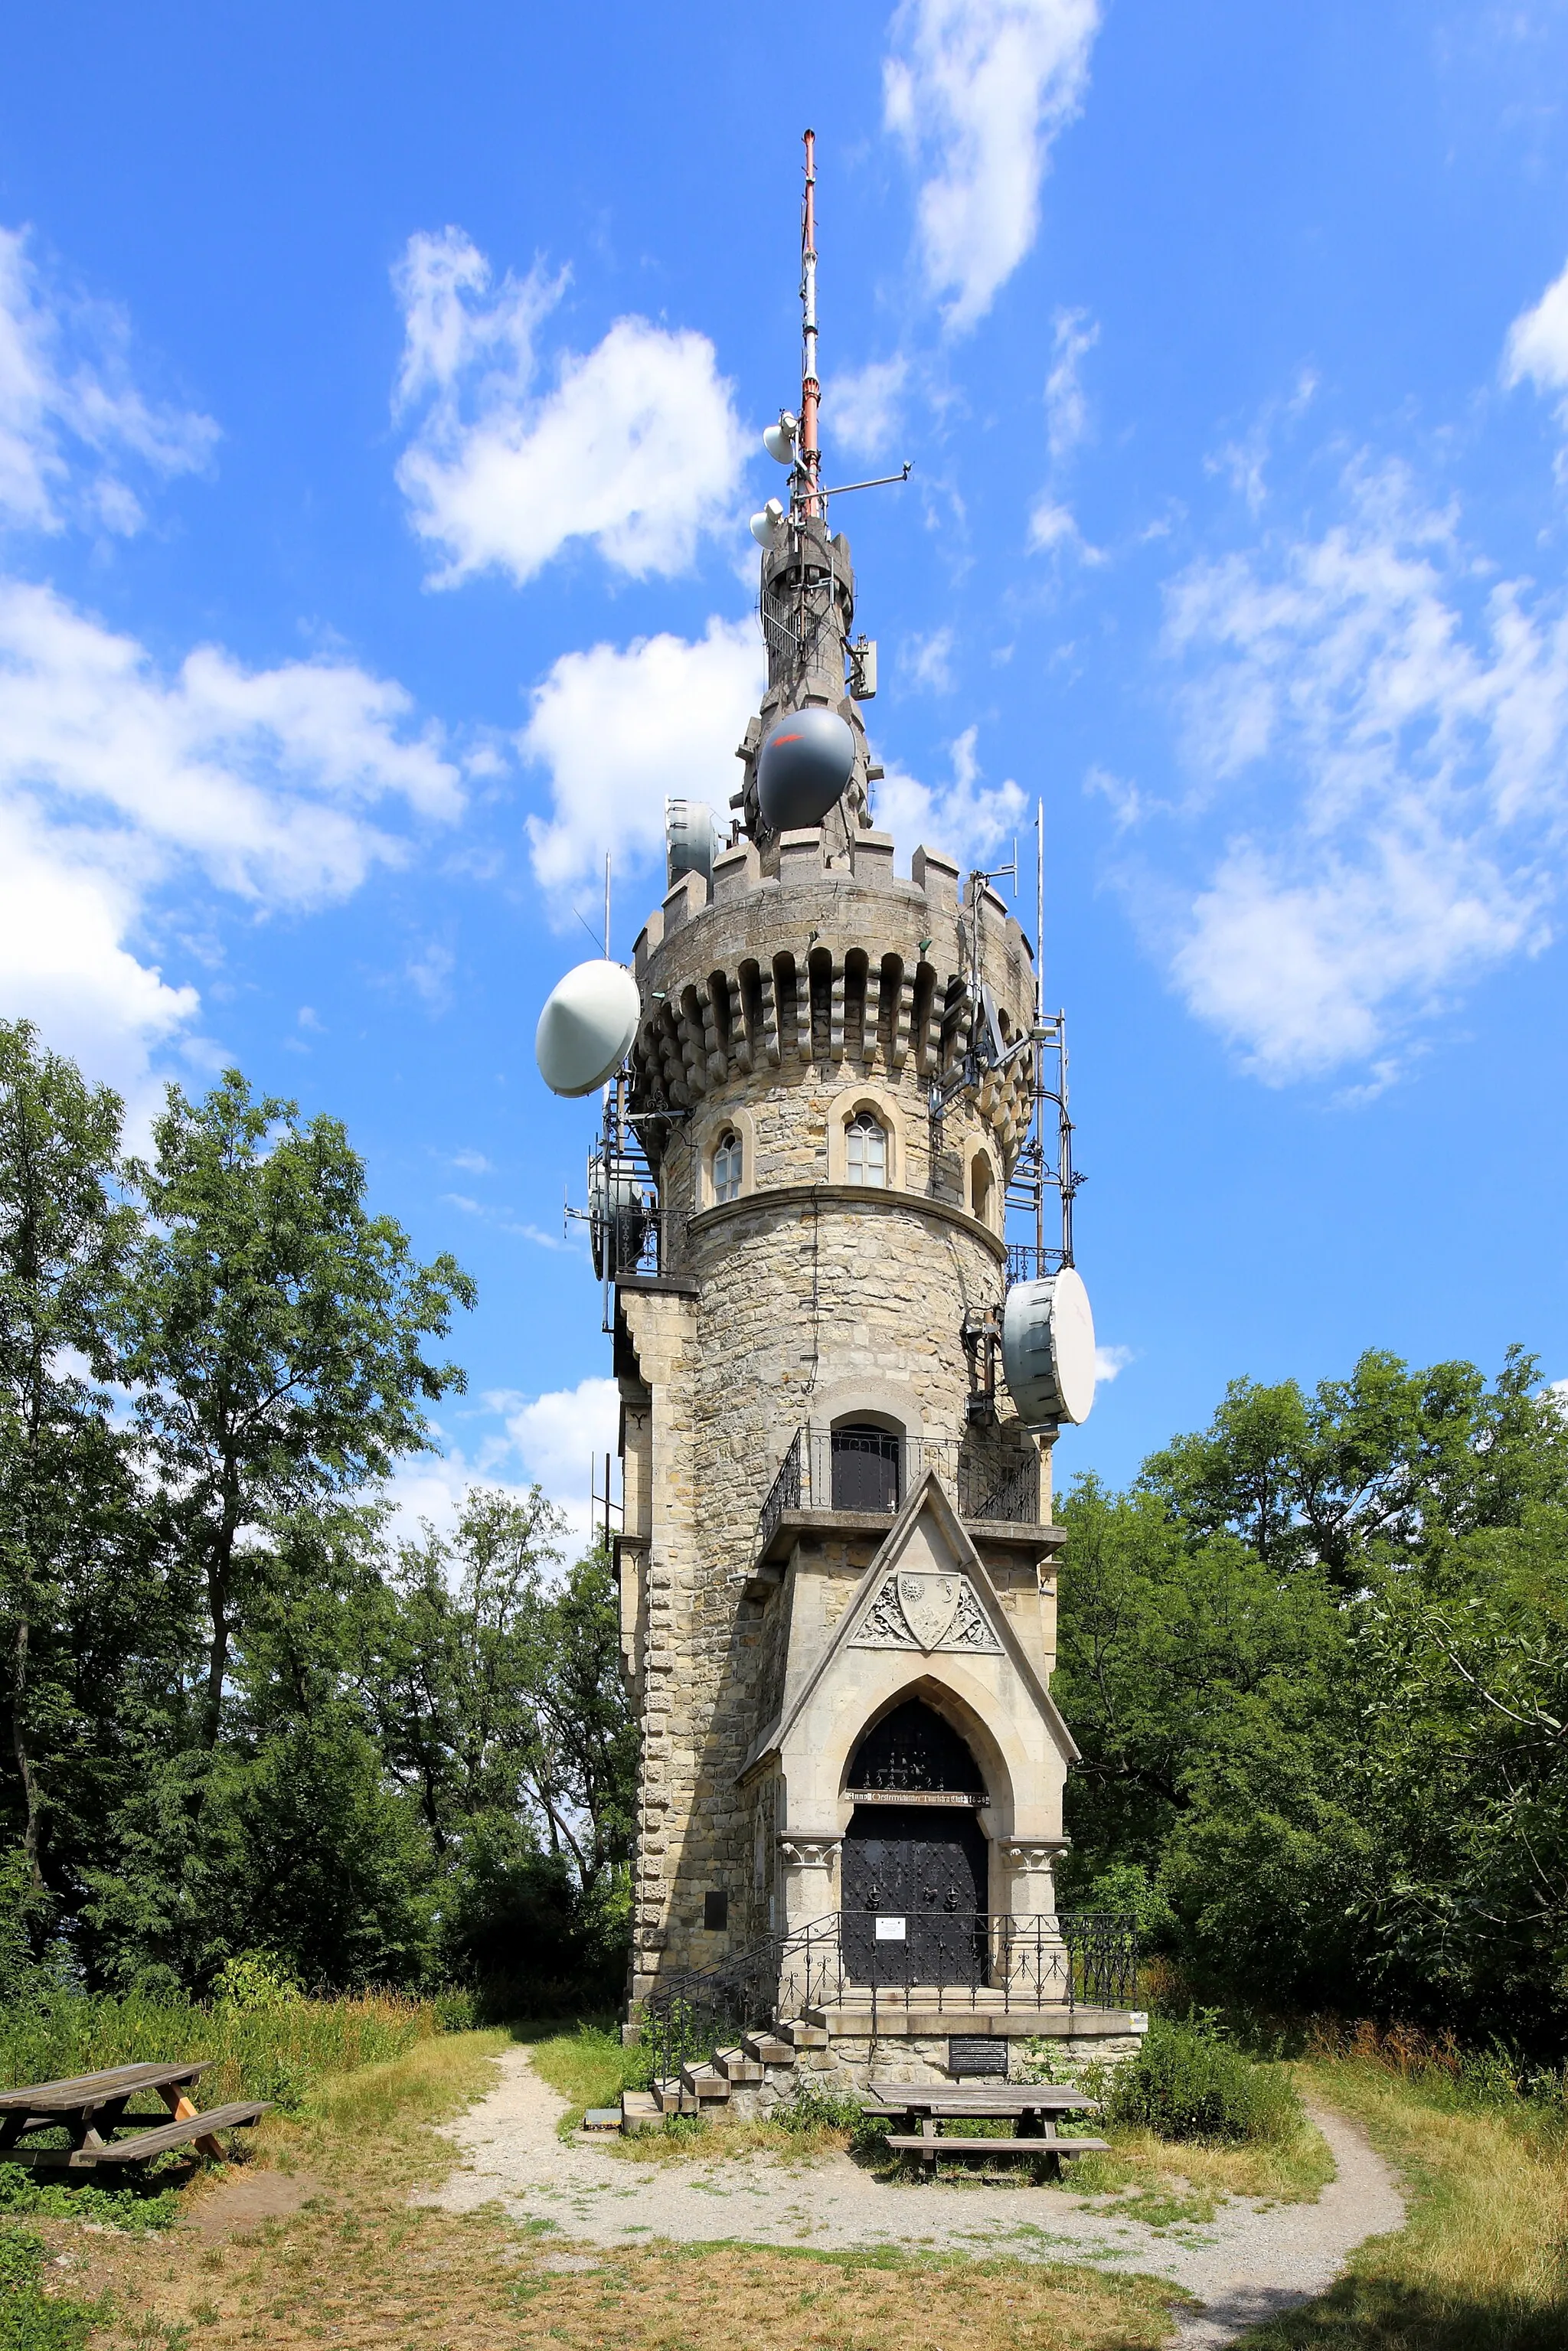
x,y
590,1019
1048,1348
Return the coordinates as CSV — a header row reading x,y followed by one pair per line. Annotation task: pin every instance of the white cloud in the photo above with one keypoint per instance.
x,y
70,416
636,448
1066,410
561,1439
929,659
1408,723
1537,345
863,411
619,730
557,1441
1108,1362
1126,802
966,818
114,777
979,89
472,1163
1053,529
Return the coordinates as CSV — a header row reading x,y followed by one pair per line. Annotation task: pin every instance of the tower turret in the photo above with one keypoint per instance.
x,y
837,1562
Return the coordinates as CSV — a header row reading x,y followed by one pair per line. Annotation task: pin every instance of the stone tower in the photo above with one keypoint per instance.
x,y
837,1581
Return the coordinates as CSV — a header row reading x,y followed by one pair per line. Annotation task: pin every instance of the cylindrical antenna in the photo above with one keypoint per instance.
x,y
607,855
807,445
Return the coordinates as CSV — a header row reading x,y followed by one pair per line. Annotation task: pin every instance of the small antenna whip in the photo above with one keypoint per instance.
x,y
607,855
808,450
1039,1028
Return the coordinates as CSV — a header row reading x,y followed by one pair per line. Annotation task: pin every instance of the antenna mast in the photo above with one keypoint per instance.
x,y
1039,1018
808,474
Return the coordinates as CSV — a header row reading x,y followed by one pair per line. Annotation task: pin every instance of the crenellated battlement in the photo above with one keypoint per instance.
x,y
835,967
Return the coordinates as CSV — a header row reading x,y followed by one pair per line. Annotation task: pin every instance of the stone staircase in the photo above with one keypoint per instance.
x,y
763,2070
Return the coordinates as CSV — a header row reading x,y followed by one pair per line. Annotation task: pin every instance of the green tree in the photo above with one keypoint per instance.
x,y
64,1484
1365,1470
1170,1650
274,1336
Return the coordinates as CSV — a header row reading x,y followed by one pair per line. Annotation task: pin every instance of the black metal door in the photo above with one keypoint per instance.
x,y
866,1468
924,1866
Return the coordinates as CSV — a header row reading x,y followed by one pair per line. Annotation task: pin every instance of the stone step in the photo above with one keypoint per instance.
x,y
601,2119
802,2035
736,2066
667,2094
767,2049
704,2082
640,2110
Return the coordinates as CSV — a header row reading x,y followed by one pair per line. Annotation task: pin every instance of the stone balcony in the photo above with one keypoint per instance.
x,y
830,1483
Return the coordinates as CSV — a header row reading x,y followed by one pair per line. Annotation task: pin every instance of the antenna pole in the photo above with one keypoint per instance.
x,y
607,905
1039,1026
810,452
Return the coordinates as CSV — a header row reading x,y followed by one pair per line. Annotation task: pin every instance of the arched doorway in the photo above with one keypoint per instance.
x,y
913,1858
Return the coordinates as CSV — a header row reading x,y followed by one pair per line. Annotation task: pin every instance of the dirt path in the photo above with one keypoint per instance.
x,y
1249,2263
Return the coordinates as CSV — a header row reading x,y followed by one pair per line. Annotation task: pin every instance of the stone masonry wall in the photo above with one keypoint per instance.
x,y
804,1300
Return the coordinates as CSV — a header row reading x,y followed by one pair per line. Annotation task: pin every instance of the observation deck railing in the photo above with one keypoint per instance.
x,y
859,1469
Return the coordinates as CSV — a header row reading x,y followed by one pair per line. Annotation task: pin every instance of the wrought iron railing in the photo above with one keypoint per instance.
x,y
1028,1263
959,1962
784,1494
1014,1499
638,1238
863,1470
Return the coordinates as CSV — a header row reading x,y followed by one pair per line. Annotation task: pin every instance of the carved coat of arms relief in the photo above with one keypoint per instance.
x,y
916,1610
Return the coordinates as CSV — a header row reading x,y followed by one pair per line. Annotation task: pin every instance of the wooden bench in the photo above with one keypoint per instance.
x,y
934,2104
931,2145
93,2108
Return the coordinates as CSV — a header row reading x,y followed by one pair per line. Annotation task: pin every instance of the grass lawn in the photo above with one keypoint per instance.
x,y
1482,2264
358,2265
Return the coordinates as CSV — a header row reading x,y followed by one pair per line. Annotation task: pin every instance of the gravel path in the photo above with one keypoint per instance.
x,y
1252,2261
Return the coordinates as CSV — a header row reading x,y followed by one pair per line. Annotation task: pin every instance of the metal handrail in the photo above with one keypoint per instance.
x,y
784,1494
823,1468
979,1960
642,1238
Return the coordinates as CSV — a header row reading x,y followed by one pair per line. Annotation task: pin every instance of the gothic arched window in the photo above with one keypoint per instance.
x,y
865,1150
727,1167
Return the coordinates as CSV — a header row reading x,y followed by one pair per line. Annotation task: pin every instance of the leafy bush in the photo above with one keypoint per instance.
x,y
812,2109
31,2320
1188,2082
135,2207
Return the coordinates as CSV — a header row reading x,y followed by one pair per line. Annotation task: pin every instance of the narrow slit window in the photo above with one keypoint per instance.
x,y
865,1150
727,1167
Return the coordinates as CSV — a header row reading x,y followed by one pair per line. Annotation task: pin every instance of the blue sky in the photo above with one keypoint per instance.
x,y
380,402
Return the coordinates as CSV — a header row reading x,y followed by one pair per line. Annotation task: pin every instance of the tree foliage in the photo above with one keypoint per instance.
x,y
1315,1660
242,1717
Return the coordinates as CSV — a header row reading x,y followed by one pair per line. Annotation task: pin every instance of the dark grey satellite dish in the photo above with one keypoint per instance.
x,y
807,759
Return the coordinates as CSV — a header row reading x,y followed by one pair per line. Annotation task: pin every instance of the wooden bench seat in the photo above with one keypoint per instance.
x,y
906,2143
145,2143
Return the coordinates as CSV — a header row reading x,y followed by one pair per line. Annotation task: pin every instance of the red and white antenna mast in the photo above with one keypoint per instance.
x,y
807,500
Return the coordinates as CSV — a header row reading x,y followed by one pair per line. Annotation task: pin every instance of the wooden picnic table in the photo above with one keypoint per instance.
x,y
1034,2105
93,2108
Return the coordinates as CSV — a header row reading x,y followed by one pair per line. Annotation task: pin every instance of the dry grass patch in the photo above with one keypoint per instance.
x,y
1293,2170
693,2138
1482,2262
359,2265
